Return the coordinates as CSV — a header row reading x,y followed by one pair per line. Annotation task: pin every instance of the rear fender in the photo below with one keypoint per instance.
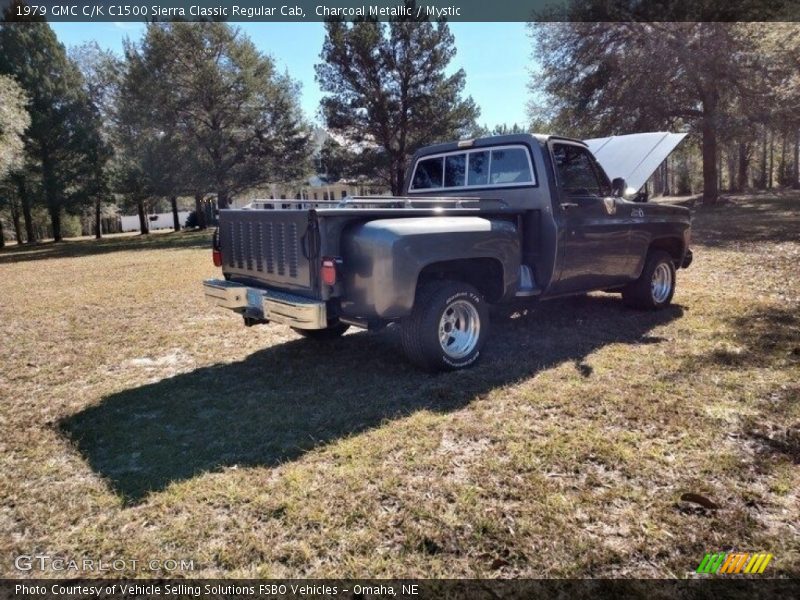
x,y
383,259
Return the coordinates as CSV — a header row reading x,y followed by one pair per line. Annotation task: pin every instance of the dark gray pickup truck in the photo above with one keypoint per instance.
x,y
482,221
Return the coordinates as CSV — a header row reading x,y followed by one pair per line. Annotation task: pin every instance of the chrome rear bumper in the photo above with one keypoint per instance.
x,y
267,305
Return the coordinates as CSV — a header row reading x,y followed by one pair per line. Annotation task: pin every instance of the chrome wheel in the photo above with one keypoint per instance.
x,y
661,283
459,329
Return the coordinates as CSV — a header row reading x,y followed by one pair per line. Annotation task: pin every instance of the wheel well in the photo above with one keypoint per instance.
x,y
484,274
672,246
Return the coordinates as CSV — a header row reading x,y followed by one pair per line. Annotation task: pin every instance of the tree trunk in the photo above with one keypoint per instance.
x,y
400,175
173,200
783,168
762,184
27,217
198,211
25,201
710,190
15,222
222,199
658,181
396,167
51,196
144,227
55,222
771,160
98,225
796,172
2,237
741,183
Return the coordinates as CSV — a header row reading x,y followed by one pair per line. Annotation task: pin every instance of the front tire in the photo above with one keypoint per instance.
x,y
332,332
656,285
447,328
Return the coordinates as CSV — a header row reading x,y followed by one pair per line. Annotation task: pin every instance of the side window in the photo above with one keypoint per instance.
x,y
478,168
428,174
510,165
575,170
455,166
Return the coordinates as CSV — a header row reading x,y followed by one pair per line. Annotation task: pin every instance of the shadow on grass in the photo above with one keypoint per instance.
x,y
77,248
769,338
771,217
287,399
765,337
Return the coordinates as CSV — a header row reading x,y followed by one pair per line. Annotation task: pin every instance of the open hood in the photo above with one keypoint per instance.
x,y
634,157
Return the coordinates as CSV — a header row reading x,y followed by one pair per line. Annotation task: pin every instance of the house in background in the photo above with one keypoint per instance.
x,y
156,221
316,187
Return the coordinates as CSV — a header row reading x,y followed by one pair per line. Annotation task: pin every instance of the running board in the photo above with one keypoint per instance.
x,y
527,286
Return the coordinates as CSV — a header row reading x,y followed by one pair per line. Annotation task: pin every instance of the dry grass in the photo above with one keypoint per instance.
x,y
137,422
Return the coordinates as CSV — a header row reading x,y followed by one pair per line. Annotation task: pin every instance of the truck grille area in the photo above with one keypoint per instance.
x,y
266,245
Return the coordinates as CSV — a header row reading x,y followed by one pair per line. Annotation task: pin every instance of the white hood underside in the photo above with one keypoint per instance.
x,y
634,157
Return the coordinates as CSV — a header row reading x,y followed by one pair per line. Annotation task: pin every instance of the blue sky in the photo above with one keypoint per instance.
x,y
495,56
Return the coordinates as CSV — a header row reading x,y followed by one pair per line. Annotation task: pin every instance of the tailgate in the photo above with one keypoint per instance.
x,y
268,247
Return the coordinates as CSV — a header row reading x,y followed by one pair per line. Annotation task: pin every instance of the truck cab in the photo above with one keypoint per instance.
x,y
492,220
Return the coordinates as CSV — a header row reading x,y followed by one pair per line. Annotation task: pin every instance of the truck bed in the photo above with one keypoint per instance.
x,y
278,243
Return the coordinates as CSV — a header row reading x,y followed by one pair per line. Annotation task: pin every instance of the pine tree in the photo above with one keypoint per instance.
x,y
608,78
388,92
62,140
14,120
231,120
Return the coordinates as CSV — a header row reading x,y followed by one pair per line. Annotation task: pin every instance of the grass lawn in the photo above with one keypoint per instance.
x,y
136,422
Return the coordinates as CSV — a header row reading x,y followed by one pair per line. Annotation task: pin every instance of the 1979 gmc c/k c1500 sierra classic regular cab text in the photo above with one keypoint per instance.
x,y
481,221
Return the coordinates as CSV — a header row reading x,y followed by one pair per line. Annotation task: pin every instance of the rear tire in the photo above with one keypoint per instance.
x,y
447,328
656,285
331,332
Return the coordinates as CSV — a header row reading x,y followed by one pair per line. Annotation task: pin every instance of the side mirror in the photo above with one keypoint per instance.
x,y
618,187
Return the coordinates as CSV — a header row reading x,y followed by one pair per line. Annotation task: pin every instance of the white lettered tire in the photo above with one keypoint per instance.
x,y
447,328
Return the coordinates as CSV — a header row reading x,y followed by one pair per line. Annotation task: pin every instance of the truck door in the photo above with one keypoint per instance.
x,y
594,234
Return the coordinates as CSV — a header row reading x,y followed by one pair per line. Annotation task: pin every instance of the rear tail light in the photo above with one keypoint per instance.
x,y
327,270
216,254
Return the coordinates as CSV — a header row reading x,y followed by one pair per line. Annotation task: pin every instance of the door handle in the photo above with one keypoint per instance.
x,y
566,205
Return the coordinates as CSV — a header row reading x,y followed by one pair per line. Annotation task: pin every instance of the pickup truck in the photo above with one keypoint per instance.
x,y
481,221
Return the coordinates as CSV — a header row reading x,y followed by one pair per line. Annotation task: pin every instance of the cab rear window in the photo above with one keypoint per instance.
x,y
479,168
428,174
454,170
496,167
509,165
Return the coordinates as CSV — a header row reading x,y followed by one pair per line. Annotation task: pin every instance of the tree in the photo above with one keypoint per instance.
x,y
101,70
501,129
134,143
388,91
780,45
147,162
608,78
222,104
335,160
14,119
61,140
